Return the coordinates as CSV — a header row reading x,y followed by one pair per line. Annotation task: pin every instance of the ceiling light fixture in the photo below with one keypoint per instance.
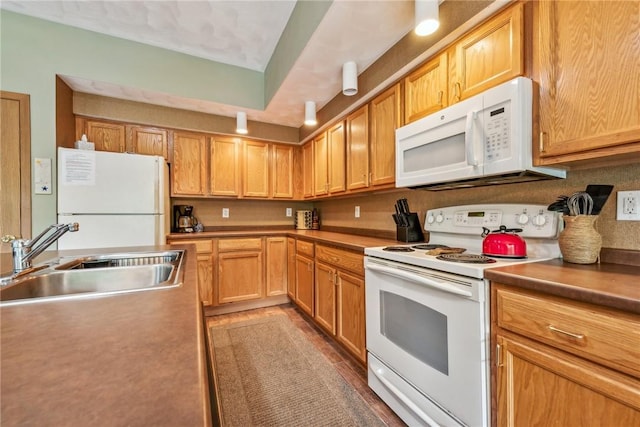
x,y
427,20
349,78
310,113
241,123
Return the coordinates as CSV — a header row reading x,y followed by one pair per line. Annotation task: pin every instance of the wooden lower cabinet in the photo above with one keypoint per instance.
x,y
205,259
276,265
291,268
240,270
304,283
339,297
560,362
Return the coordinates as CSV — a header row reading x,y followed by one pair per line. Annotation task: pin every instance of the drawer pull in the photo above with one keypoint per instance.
x,y
560,331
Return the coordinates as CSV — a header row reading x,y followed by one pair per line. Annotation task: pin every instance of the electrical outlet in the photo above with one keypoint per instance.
x,y
628,206
357,212
225,212
289,212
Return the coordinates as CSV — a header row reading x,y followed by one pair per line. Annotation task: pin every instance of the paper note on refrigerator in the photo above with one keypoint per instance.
x,y
78,167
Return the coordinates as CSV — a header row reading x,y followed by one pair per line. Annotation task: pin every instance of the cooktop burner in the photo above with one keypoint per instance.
x,y
466,258
398,249
428,247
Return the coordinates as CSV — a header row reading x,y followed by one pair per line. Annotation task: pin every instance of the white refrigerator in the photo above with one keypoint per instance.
x,y
118,199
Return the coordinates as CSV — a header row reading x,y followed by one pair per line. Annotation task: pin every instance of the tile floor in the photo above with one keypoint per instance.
x,y
352,371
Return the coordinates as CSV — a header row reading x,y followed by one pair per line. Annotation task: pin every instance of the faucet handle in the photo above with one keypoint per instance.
x,y
8,238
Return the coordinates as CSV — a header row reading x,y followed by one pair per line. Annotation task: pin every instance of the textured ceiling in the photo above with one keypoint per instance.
x,y
243,33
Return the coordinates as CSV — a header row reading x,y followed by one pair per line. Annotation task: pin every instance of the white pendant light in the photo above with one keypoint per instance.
x,y
349,78
241,123
427,19
310,113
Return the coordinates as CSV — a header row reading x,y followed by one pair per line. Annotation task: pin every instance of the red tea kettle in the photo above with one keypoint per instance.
x,y
503,242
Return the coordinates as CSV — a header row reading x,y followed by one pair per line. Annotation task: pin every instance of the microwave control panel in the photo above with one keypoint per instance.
x,y
497,132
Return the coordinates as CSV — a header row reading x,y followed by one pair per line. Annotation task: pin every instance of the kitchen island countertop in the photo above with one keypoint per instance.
x,y
135,359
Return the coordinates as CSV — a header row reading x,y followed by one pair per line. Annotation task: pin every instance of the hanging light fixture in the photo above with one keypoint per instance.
x,y
241,123
310,113
426,14
349,78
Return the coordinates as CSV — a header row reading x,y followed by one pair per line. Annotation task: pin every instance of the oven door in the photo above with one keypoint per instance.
x,y
430,331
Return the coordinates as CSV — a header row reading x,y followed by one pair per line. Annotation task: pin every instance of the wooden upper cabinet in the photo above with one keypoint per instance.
x,y
386,117
282,171
320,165
587,61
307,169
426,89
336,145
224,174
255,171
491,54
147,140
106,136
189,164
358,149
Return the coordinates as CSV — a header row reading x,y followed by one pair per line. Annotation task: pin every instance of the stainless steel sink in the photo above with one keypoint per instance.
x,y
97,275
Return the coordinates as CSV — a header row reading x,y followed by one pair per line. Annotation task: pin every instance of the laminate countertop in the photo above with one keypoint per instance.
x,y
606,284
135,359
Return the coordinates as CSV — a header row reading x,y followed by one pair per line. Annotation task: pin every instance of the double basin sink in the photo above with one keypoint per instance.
x,y
95,275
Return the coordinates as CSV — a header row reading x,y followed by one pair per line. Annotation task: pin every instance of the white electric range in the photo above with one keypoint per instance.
x,y
428,318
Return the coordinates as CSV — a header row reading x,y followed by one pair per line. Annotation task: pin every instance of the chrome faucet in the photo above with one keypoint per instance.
x,y
24,250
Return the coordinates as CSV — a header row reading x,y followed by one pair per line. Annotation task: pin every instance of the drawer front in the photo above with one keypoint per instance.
x,y
202,245
228,245
606,336
304,247
341,258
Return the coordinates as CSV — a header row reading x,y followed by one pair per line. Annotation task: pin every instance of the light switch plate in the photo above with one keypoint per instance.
x,y
289,212
357,212
225,212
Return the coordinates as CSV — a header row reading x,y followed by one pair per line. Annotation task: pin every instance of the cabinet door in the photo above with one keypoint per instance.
x,y
106,136
148,140
276,265
537,385
320,165
282,171
425,89
307,169
589,79
304,284
205,279
336,158
240,276
291,268
224,175
256,169
491,54
325,297
351,314
189,164
385,119
358,149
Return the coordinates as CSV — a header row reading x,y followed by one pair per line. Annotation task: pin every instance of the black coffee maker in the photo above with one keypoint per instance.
x,y
183,219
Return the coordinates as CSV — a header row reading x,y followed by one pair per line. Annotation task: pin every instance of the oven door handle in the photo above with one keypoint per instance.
x,y
419,279
393,389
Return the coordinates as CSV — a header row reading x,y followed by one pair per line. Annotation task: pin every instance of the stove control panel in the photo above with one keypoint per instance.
x,y
534,220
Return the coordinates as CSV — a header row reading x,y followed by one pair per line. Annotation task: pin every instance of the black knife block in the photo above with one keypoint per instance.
x,y
411,233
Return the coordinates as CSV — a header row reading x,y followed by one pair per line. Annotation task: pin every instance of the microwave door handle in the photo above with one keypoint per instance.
x,y
468,138
419,279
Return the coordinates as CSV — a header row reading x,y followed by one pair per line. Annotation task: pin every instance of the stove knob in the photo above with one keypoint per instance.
x,y
439,218
523,219
539,220
430,219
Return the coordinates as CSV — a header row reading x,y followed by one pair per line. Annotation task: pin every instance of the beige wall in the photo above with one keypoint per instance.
x,y
376,209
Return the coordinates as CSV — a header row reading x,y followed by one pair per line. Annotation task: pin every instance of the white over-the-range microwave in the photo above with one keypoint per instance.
x,y
483,140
